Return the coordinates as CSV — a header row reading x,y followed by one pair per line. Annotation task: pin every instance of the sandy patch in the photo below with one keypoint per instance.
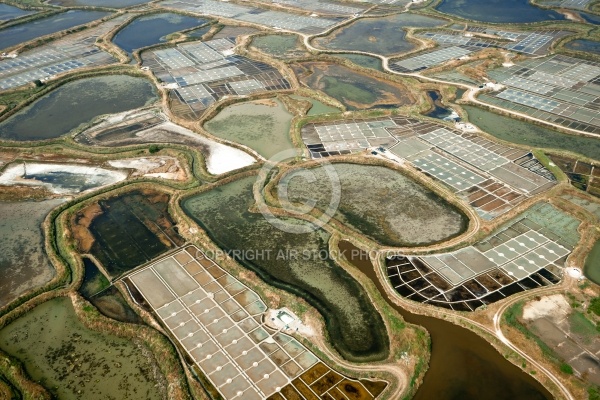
x,y
572,16
80,226
554,307
153,167
221,158
266,102
285,320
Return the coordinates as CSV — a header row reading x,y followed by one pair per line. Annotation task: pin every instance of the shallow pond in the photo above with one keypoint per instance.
x,y
438,110
590,46
106,298
126,230
462,365
385,36
284,46
381,203
294,262
354,90
362,60
198,33
112,304
262,125
8,12
317,107
591,18
153,29
98,3
23,261
498,11
60,178
93,280
525,133
75,103
45,26
73,362
591,268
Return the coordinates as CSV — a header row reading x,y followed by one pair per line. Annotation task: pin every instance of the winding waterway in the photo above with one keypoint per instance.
x,y
462,365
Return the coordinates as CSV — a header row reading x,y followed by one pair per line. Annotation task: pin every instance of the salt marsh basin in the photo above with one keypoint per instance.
x,y
60,178
355,327
22,33
498,11
149,30
416,216
263,125
385,36
75,103
24,264
52,343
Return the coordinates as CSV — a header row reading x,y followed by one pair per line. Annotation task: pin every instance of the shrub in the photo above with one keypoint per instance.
x,y
154,149
566,368
594,393
595,305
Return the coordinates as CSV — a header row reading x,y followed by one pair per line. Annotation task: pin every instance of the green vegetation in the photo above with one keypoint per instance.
x,y
363,61
429,218
26,3
285,46
339,89
566,368
50,339
595,306
529,134
581,325
262,125
14,98
355,90
354,327
511,316
594,393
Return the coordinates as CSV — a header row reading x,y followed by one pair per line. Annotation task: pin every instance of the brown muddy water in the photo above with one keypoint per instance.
x,y
463,365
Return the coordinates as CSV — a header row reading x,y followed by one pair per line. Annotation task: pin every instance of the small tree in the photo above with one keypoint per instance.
x,y
154,148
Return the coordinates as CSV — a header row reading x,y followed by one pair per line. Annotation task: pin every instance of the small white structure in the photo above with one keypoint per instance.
x,y
466,127
285,320
494,86
574,272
